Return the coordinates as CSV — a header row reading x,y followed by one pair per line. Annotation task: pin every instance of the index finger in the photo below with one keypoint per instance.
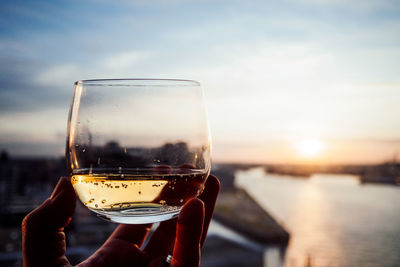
x,y
209,197
188,234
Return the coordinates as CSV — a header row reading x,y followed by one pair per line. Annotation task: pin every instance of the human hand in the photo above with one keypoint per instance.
x,y
43,237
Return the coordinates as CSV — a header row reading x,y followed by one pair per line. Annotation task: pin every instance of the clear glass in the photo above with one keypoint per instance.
x,y
137,149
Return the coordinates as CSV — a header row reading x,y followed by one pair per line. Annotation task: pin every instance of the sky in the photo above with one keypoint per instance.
x,y
308,81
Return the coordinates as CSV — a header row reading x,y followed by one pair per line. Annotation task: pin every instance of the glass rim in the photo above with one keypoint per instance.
x,y
135,79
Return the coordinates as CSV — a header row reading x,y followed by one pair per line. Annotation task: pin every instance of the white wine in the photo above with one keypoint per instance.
x,y
134,194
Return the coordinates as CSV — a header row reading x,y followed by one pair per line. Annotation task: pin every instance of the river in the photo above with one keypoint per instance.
x,y
332,219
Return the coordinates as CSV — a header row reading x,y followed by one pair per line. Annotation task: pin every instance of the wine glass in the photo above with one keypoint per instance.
x,y
137,149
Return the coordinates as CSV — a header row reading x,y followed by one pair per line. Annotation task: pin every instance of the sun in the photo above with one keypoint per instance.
x,y
310,147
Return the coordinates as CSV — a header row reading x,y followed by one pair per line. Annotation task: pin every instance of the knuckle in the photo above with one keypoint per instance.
x,y
30,220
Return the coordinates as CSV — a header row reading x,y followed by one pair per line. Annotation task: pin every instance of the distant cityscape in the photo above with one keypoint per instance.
x,y
113,155
26,182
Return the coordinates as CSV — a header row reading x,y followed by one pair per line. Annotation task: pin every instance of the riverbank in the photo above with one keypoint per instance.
x,y
237,210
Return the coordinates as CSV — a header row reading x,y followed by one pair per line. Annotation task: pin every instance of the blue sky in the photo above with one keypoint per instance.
x,y
274,73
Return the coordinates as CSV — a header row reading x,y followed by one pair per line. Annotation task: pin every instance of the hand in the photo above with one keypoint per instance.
x,y
43,238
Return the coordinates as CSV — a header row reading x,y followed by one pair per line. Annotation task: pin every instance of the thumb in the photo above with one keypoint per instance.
x,y
43,239
55,212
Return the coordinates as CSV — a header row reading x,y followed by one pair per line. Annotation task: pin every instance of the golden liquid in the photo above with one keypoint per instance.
x,y
120,192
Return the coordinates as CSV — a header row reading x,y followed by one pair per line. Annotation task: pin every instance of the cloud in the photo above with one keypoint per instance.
x,y
113,65
36,126
34,133
359,5
124,60
58,76
267,67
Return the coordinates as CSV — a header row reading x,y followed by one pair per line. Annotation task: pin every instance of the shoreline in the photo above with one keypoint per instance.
x,y
237,210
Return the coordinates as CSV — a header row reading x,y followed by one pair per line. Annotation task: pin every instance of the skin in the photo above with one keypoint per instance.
x,y
43,237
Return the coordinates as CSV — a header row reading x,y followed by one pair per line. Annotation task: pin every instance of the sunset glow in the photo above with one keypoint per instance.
x,y
276,80
310,148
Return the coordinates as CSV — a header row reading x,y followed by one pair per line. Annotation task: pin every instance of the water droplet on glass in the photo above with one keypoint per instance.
x,y
103,201
96,205
140,192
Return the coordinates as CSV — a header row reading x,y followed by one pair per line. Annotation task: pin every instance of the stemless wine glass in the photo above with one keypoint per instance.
x,y
137,149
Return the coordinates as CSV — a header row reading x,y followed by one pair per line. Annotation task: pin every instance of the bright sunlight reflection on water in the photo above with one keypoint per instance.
x,y
332,219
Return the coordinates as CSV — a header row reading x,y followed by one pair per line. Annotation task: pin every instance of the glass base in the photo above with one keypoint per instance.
x,y
139,215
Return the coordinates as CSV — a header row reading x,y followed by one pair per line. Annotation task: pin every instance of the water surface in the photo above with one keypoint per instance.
x,y
333,220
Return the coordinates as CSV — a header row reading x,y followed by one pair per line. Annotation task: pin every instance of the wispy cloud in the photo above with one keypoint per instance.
x,y
269,69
